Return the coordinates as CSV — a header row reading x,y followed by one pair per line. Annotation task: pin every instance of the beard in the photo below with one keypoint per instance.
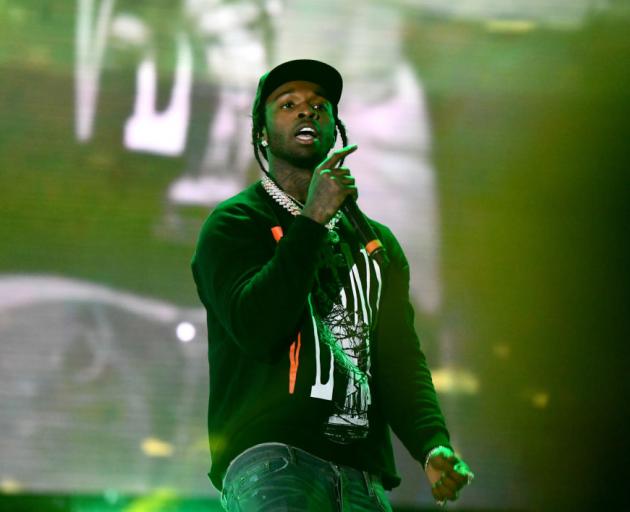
x,y
305,156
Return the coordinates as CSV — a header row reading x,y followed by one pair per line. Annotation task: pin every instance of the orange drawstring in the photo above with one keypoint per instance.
x,y
277,233
294,349
294,357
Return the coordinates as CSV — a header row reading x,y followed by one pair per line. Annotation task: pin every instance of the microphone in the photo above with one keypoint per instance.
x,y
370,241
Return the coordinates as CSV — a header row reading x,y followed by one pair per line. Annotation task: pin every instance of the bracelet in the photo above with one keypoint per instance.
x,y
431,453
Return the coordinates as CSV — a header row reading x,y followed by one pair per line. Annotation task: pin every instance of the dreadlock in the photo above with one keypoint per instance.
x,y
258,123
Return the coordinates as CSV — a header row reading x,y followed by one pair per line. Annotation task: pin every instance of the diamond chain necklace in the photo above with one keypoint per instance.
x,y
289,203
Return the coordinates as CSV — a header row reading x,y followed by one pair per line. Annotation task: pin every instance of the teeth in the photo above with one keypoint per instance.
x,y
306,131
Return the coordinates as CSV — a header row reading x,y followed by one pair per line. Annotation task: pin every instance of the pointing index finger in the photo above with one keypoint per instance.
x,y
334,159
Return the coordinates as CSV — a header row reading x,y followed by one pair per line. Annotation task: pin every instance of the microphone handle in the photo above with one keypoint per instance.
x,y
370,241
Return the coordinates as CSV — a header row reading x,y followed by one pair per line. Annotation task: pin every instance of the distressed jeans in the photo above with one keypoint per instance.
x,y
279,477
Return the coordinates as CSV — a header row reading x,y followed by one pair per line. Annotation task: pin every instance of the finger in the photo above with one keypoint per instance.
x,y
336,171
449,483
459,478
441,494
441,463
445,484
347,178
444,492
336,157
437,494
462,469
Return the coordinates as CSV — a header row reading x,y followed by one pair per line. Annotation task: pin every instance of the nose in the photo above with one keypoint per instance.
x,y
307,110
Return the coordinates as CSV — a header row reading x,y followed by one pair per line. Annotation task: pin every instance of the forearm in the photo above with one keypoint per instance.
x,y
409,399
404,382
256,289
266,307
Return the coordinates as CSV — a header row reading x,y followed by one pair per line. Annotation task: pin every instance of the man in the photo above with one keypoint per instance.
x,y
312,350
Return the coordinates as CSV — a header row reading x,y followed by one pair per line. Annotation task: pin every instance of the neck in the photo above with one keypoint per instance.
x,y
292,179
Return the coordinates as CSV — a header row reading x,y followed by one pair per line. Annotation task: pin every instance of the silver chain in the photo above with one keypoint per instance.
x,y
289,203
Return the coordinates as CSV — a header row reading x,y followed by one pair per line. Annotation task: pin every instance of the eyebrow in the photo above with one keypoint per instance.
x,y
318,92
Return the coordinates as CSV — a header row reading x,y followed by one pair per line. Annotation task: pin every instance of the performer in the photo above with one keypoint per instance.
x,y
312,350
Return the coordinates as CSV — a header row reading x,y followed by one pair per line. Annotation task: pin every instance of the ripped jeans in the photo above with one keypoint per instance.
x,y
279,477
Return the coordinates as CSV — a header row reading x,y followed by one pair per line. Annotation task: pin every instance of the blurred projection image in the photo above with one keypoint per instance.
x,y
313,255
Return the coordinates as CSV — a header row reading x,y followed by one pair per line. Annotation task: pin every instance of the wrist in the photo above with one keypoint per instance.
x,y
434,451
314,214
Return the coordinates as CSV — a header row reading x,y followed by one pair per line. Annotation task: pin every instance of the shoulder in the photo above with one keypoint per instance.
x,y
388,239
248,207
240,221
250,200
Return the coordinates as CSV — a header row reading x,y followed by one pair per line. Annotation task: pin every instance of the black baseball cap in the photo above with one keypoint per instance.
x,y
301,69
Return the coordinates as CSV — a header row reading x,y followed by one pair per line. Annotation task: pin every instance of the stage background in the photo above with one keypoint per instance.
x,y
492,140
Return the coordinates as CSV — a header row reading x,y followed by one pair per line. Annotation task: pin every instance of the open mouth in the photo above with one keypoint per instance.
x,y
306,134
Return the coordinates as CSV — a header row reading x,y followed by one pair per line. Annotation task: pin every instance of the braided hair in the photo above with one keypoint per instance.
x,y
258,123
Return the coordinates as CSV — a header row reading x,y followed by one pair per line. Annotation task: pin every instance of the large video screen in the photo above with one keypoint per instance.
x,y
123,123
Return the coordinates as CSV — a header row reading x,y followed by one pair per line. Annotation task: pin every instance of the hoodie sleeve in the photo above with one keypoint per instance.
x,y
257,288
403,380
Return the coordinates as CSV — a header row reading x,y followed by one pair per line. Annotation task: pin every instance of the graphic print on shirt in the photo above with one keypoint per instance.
x,y
342,323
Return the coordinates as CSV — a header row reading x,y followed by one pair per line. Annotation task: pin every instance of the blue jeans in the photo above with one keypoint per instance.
x,y
278,477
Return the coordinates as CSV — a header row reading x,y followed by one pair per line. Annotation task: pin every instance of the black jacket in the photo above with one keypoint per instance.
x,y
257,293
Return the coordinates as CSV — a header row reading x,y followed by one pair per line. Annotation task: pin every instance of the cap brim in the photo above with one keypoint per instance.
x,y
304,69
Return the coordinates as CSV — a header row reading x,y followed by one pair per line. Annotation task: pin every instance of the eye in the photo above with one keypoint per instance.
x,y
287,105
320,106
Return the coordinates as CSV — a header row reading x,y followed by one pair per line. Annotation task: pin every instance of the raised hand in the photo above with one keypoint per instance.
x,y
329,187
